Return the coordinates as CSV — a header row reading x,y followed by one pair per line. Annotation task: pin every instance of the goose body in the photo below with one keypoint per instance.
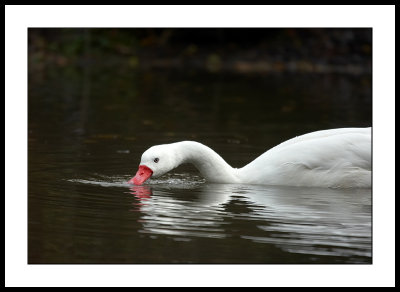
x,y
336,158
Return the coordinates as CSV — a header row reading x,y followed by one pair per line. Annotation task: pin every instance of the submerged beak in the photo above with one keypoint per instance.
x,y
143,174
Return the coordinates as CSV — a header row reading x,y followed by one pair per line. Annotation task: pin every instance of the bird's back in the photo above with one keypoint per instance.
x,y
329,158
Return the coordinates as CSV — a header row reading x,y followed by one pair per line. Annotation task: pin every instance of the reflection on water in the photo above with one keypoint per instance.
x,y
312,221
143,193
182,219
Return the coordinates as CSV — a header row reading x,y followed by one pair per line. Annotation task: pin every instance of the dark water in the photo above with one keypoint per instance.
x,y
88,126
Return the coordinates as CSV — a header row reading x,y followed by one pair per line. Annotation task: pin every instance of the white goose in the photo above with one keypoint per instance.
x,y
336,158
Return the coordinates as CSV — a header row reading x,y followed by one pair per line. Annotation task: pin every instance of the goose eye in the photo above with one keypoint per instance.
x,y
156,160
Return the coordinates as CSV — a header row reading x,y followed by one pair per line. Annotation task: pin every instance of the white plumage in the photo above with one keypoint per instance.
x,y
336,158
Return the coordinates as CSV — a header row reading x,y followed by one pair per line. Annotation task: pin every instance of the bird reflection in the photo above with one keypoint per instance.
x,y
142,193
314,219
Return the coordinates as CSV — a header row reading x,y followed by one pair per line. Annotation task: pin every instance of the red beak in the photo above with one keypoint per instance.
x,y
143,174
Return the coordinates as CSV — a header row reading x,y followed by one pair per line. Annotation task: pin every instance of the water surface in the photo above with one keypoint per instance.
x,y
88,128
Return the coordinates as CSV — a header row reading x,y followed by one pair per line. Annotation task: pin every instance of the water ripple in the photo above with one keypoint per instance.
x,y
309,221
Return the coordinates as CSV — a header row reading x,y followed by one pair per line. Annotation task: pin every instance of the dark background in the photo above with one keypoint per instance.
x,y
301,79
324,50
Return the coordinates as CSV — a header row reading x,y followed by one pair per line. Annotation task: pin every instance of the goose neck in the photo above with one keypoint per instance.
x,y
211,165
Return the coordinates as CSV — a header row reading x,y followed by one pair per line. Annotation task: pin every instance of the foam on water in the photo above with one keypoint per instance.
x,y
174,179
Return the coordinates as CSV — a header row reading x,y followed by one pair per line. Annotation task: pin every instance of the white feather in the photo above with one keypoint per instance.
x,y
336,158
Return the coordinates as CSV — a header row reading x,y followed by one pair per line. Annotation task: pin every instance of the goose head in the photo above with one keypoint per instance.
x,y
155,162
